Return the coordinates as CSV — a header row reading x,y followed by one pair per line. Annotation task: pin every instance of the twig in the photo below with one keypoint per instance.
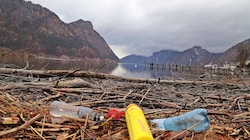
x,y
104,93
26,124
130,91
236,99
211,112
169,104
61,77
185,130
238,103
27,65
49,129
43,125
32,128
51,97
71,73
144,95
85,124
85,132
245,129
55,125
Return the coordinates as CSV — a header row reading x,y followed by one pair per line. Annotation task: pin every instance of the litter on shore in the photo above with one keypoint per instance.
x,y
26,96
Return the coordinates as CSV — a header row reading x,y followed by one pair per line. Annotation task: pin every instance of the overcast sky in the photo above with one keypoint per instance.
x,y
146,26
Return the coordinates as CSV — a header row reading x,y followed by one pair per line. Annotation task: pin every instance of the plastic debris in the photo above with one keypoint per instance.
x,y
115,113
61,110
137,124
196,120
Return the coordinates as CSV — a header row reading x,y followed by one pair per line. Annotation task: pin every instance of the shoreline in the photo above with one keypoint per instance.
x,y
30,93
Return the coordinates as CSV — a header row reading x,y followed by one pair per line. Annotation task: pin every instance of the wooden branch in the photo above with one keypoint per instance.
x,y
130,91
55,125
23,126
76,73
144,95
236,99
74,83
68,74
51,97
50,129
104,93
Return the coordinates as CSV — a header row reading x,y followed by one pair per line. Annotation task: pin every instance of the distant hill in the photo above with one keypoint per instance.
x,y
230,54
134,59
27,27
194,56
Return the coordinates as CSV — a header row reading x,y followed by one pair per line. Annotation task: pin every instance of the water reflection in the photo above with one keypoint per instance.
x,y
142,71
104,66
132,71
148,71
94,65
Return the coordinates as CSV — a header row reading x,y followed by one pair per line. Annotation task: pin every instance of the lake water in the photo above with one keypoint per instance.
x,y
152,72
120,69
63,64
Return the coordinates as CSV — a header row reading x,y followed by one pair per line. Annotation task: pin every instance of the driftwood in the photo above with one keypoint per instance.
x,y
28,93
58,74
74,83
26,124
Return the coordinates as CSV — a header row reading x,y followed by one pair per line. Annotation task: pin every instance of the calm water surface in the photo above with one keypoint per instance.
x,y
120,69
153,72
59,64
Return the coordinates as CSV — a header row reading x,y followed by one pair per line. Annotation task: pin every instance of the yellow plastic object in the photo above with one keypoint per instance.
x,y
137,124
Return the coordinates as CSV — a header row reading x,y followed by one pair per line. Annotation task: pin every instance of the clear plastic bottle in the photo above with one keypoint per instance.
x,y
196,119
61,110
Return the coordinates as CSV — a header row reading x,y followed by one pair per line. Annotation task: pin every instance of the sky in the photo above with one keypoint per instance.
x,y
142,27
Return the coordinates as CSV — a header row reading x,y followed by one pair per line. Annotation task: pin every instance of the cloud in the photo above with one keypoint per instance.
x,y
145,26
120,51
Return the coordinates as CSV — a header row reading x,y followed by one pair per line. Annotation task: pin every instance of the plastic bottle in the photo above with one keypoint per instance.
x,y
61,110
137,124
197,119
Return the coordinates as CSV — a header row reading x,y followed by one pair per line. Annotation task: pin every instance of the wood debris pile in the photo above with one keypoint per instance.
x,y
26,96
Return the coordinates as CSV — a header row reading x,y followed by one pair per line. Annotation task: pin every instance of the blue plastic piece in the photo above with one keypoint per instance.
x,y
196,119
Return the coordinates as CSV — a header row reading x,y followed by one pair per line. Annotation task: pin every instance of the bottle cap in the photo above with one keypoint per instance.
x,y
101,118
115,113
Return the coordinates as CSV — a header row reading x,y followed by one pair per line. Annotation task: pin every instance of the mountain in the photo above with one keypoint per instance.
x,y
230,55
195,56
134,59
164,57
30,28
